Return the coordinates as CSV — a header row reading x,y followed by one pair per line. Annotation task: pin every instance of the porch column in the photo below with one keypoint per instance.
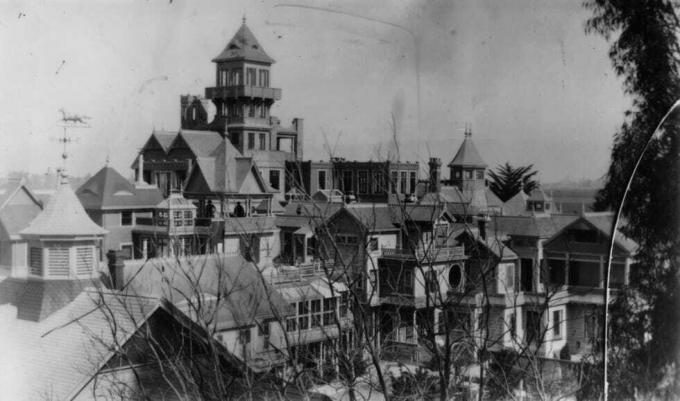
x,y
415,332
626,272
566,269
603,271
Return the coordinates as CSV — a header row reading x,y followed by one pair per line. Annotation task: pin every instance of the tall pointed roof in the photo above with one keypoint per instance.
x,y
109,190
63,216
467,155
244,46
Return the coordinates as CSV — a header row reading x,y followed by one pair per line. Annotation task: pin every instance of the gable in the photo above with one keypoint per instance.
x,y
250,185
197,182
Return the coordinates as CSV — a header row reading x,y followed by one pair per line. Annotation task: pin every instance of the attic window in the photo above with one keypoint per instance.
x,y
233,47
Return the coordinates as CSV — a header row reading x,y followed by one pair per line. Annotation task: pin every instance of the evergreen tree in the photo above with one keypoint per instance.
x,y
507,181
644,321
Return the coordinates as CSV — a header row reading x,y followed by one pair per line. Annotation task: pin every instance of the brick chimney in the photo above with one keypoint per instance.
x,y
116,268
435,165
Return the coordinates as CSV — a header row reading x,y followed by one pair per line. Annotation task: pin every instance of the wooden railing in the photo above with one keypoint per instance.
x,y
299,273
430,253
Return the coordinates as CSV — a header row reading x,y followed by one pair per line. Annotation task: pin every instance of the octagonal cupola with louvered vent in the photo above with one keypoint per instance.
x,y
63,242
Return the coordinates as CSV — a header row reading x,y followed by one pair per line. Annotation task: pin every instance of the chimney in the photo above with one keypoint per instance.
x,y
116,268
140,168
435,165
481,224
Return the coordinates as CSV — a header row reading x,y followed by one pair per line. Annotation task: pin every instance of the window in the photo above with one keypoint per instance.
x,y
274,179
263,141
177,218
264,78
412,181
343,239
513,326
347,182
533,326
35,261
378,182
188,218
321,179
457,173
126,218
303,322
557,322
344,304
372,277
126,251
402,182
291,324
316,312
244,336
373,244
251,78
431,281
617,276
263,111
394,181
363,182
303,308
441,234
455,277
468,174
557,271
251,140
407,281
480,174
251,110
329,305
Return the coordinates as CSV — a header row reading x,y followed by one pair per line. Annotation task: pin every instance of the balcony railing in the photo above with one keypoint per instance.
x,y
242,91
436,253
299,273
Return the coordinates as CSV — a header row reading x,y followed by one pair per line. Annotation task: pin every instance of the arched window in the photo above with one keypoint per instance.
x,y
455,276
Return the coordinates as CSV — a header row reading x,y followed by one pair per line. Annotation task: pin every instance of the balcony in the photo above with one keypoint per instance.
x,y
290,274
221,92
431,254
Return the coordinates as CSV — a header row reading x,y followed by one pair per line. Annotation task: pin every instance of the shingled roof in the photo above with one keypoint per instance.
x,y
467,155
63,216
107,189
201,143
226,172
244,46
244,297
18,207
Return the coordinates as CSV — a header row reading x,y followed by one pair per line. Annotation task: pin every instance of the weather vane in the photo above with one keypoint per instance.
x,y
69,121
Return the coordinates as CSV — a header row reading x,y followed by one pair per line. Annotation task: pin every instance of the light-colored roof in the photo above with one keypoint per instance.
x,y
467,155
244,297
226,172
175,201
201,143
244,46
109,190
63,216
59,355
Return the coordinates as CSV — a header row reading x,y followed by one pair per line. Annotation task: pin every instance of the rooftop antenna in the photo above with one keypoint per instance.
x,y
68,121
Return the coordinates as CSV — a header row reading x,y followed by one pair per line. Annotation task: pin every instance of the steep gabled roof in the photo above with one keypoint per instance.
x,y
467,155
107,189
544,226
63,216
226,172
201,143
163,138
18,207
604,223
244,46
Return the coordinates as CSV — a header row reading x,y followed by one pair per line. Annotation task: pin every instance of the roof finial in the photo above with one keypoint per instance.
x,y
244,18
108,157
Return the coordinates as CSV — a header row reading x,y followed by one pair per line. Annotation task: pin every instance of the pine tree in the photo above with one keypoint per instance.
x,y
507,180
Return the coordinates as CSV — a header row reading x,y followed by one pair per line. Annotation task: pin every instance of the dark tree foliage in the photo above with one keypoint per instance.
x,y
645,324
507,180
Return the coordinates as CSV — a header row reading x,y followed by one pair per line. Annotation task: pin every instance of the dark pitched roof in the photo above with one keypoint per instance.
x,y
544,226
244,46
249,225
298,214
374,217
107,189
467,155
603,222
164,138
538,195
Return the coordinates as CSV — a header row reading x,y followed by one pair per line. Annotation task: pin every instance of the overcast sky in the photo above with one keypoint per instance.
x,y
533,86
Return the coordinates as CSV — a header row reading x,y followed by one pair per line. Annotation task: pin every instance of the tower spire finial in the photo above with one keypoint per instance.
x,y
244,18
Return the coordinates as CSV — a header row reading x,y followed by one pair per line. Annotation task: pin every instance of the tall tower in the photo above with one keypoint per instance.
x,y
242,95
468,170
